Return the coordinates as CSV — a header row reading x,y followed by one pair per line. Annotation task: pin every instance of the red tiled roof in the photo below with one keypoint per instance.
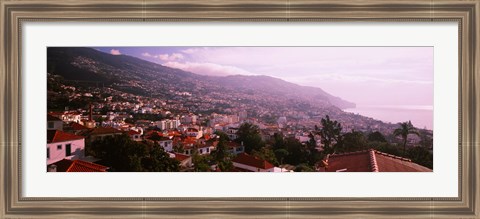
x,y
181,157
253,161
75,126
60,136
133,132
372,161
78,166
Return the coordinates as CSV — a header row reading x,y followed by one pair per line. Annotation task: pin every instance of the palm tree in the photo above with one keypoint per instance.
x,y
405,129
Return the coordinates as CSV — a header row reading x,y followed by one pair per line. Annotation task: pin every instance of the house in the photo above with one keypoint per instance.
x,y
368,161
166,143
67,116
193,132
134,135
235,148
66,165
100,133
185,160
232,133
63,145
249,163
54,123
75,128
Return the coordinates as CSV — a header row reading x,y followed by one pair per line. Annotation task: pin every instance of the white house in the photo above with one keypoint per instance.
x,y
68,116
232,133
134,135
193,132
62,145
166,143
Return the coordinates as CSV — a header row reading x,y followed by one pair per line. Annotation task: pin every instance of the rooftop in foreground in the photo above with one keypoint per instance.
x,y
370,161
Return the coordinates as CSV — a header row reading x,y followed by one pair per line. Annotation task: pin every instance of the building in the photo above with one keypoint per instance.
x,y
368,161
54,123
62,145
66,165
235,148
134,135
232,133
248,163
100,133
185,160
193,132
67,116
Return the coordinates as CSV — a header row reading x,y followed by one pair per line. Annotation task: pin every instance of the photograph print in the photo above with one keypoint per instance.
x,y
239,109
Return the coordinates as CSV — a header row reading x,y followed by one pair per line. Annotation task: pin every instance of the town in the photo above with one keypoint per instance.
x,y
118,113
142,136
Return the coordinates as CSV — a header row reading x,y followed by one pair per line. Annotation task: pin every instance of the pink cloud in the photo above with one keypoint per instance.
x,y
208,68
146,54
164,57
115,52
170,57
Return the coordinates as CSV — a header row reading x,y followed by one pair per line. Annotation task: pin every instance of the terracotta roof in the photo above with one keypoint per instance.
x,y
78,166
372,161
52,118
76,126
181,157
133,132
253,161
60,136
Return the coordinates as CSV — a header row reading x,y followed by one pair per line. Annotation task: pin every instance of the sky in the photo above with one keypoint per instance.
x,y
372,76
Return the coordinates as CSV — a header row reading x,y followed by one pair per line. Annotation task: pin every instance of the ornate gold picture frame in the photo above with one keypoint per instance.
x,y
15,13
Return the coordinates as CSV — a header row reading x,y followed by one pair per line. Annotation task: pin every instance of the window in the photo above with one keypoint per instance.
x,y
201,151
166,144
48,153
59,147
208,150
239,148
68,150
50,125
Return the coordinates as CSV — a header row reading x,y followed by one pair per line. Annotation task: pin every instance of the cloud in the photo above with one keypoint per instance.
x,y
164,57
170,57
115,52
208,68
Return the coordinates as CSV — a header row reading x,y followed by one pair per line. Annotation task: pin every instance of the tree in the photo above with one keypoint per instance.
x,y
159,161
267,154
297,152
405,129
304,168
330,133
280,154
376,136
221,155
352,141
249,134
122,154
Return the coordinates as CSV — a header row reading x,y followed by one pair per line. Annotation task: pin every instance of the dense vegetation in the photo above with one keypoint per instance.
x,y
288,150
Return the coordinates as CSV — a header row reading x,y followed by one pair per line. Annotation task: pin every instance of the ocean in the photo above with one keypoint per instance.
x,y
420,116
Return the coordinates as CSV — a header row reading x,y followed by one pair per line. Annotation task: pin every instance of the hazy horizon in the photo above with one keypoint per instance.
x,y
397,76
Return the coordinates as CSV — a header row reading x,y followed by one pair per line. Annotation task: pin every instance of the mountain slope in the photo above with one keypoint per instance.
x,y
146,78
